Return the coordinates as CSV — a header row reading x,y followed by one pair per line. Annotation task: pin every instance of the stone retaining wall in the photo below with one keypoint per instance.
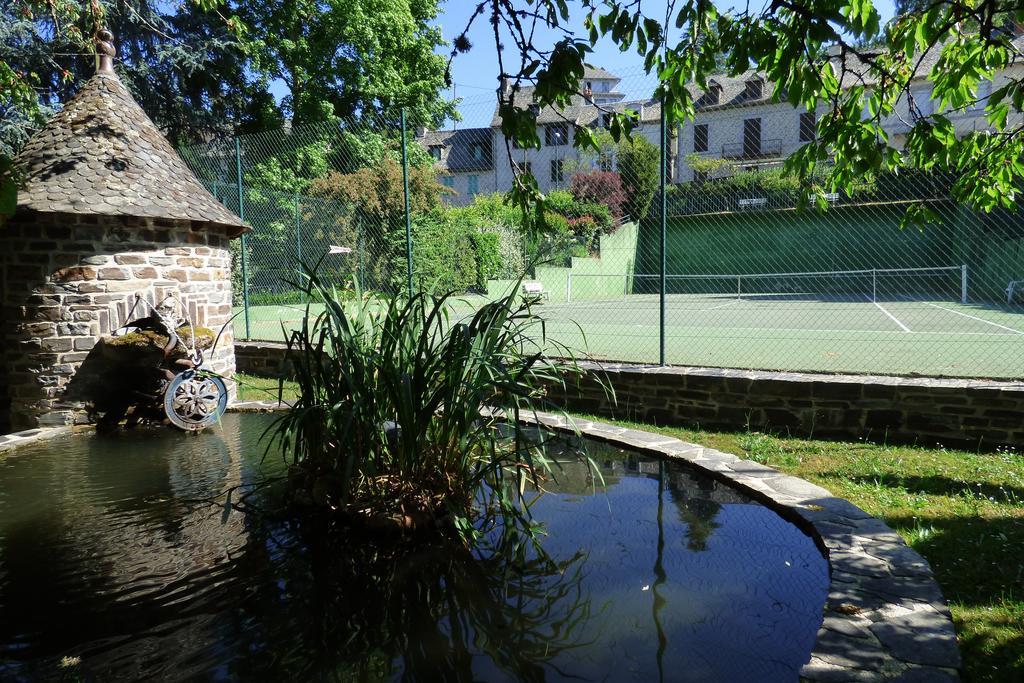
x,y
952,412
928,411
263,359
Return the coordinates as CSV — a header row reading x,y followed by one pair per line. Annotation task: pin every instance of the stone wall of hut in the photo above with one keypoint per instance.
x,y
68,280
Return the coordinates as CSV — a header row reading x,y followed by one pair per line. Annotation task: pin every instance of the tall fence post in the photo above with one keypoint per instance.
x,y
298,232
245,242
408,216
664,232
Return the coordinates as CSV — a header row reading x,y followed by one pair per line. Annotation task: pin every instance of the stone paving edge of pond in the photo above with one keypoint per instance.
x,y
885,618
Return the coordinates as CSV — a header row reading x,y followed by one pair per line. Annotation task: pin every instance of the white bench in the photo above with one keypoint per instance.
x,y
534,291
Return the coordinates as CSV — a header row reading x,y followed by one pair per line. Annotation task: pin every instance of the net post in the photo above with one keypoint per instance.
x,y
568,287
664,231
298,232
963,283
874,286
739,287
408,216
245,241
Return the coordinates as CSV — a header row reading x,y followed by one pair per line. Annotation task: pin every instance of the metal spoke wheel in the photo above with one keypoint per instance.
x,y
193,401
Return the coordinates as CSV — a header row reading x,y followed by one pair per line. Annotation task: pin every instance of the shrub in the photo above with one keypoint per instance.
x,y
600,187
443,254
638,162
390,426
490,215
373,214
487,252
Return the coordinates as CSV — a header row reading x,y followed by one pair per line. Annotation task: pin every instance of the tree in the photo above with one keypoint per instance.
x,y
183,66
811,51
375,222
201,71
638,162
351,58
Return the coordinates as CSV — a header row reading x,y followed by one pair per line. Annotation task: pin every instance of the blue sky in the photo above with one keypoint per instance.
x,y
475,73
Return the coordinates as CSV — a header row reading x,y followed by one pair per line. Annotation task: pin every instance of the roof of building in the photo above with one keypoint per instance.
x,y
102,155
733,93
596,73
457,148
580,111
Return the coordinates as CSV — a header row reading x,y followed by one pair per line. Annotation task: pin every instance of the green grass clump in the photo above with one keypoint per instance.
x,y
963,511
256,388
388,426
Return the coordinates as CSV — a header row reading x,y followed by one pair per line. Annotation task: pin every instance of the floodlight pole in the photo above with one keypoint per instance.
x,y
245,245
664,231
408,217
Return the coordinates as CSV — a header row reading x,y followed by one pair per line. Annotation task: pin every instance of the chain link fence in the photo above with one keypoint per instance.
x,y
714,266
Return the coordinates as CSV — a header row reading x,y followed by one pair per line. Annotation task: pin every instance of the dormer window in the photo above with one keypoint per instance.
x,y
713,94
753,89
435,152
478,151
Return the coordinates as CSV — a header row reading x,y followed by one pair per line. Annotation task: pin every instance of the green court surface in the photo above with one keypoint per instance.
x,y
932,338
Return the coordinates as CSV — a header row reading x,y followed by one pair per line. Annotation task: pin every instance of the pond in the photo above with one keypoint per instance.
x,y
114,564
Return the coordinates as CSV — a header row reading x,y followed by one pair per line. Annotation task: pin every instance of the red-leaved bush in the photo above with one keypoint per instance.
x,y
601,187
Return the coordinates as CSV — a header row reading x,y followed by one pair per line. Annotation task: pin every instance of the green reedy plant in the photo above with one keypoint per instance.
x,y
404,409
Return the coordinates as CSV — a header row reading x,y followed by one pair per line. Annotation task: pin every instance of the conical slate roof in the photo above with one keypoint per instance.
x,y
102,155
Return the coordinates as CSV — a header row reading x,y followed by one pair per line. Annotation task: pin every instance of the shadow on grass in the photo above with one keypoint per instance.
x,y
938,486
980,567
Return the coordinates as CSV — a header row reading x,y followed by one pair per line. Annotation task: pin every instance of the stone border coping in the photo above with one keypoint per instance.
x,y
885,618
9,442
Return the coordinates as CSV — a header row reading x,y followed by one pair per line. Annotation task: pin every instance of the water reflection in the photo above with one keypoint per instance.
x,y
108,554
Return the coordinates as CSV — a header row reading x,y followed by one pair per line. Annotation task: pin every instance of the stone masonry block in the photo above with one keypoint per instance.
x,y
114,274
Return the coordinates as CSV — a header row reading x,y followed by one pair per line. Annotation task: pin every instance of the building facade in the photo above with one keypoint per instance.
x,y
474,161
738,121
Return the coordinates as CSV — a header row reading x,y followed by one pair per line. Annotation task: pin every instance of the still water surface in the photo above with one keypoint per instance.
x,y
108,554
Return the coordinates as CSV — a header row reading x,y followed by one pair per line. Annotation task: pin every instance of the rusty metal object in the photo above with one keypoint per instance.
x,y
185,396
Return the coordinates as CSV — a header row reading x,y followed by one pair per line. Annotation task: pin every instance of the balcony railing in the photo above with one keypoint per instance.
x,y
752,149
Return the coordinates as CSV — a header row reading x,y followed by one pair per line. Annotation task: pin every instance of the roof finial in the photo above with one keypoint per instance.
x,y
105,52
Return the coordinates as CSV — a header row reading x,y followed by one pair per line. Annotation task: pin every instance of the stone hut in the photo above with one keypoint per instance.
x,y
106,210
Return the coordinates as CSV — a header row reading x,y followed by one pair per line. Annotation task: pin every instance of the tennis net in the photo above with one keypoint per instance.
x,y
944,283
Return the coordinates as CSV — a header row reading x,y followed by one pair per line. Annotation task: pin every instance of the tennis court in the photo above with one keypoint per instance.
x,y
909,337
907,322
924,337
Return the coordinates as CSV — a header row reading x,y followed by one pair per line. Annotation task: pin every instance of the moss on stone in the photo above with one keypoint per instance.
x,y
143,339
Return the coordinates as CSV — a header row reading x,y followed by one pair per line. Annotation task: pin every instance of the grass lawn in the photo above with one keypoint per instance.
x,y
253,388
963,511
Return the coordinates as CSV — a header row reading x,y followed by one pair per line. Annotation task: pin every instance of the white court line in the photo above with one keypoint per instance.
x,y
974,317
891,316
847,331
701,310
585,305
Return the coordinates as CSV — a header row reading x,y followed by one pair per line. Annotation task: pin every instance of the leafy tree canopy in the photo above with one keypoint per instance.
x,y
182,64
343,58
205,68
833,54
